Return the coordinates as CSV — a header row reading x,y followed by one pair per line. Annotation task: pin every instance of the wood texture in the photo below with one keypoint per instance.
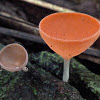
x,y
9,21
48,5
21,35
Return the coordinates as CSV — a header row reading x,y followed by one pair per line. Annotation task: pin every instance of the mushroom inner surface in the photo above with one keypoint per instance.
x,y
69,26
13,56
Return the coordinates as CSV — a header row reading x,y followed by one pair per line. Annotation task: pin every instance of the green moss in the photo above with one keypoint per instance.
x,y
7,82
51,62
92,80
44,58
1,46
34,90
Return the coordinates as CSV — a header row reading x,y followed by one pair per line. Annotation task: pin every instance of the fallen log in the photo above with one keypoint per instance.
x,y
87,82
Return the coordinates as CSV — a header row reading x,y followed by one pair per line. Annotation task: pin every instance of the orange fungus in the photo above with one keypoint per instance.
x,y
69,34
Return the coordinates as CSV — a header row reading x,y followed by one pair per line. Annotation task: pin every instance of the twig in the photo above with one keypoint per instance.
x,y
48,5
90,58
21,35
18,24
92,52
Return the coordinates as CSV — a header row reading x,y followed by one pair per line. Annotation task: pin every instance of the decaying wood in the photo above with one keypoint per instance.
x,y
97,43
90,58
92,52
10,16
18,24
21,35
48,5
87,82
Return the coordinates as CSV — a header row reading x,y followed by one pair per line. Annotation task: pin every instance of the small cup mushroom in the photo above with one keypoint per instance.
x,y
14,57
69,34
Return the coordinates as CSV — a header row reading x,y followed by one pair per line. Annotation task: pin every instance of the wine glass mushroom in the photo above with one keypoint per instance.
x,y
14,57
69,34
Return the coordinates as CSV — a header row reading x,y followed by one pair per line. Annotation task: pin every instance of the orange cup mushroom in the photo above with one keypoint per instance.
x,y
14,58
69,34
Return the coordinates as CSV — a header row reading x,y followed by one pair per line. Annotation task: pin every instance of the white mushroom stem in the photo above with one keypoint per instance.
x,y
25,69
66,70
